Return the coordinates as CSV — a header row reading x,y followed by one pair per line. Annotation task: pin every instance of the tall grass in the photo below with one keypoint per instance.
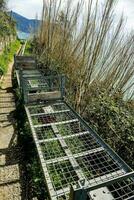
x,y
7,55
83,41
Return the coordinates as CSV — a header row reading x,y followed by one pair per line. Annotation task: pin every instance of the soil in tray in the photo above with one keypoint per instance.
x,y
47,119
122,189
43,119
51,118
52,150
62,174
97,164
45,133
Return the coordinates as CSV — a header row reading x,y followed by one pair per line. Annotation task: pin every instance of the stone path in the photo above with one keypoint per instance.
x,y
10,188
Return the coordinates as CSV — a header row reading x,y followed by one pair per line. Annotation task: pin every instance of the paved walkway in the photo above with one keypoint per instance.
x,y
9,152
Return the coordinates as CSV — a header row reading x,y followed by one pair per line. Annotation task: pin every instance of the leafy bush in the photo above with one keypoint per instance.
x,y
113,119
7,55
7,24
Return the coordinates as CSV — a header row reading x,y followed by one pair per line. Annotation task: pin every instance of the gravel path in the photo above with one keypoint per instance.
x,y
10,188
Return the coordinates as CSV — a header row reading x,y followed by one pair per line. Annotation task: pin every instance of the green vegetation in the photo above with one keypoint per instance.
x,y
62,174
7,25
99,65
113,119
34,82
7,56
7,36
36,121
98,61
34,110
2,4
64,129
28,48
76,146
48,133
52,150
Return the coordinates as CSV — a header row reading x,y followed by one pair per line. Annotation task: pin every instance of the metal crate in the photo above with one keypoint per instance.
x,y
71,152
77,164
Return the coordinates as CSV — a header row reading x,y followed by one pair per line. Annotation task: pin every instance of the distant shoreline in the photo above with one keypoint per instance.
x,y
22,35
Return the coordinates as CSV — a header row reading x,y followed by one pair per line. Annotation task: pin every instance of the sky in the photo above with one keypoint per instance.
x,y
27,8
31,8
127,7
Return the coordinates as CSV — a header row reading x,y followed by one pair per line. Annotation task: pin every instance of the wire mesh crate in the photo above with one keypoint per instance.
x,y
40,88
76,162
71,152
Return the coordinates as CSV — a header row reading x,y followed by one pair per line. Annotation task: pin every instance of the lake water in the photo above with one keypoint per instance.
x,y
22,35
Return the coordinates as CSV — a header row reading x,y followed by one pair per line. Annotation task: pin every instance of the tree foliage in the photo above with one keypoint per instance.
x,y
113,119
2,4
7,24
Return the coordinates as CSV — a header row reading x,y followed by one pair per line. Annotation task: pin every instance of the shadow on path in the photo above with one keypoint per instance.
x,y
11,171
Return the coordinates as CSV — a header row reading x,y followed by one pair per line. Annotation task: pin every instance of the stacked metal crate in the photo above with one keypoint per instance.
x,y
76,162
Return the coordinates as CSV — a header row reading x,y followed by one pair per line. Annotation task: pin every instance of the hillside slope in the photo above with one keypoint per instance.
x,y
25,25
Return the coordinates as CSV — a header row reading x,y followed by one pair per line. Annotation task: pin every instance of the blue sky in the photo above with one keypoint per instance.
x,y
29,9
